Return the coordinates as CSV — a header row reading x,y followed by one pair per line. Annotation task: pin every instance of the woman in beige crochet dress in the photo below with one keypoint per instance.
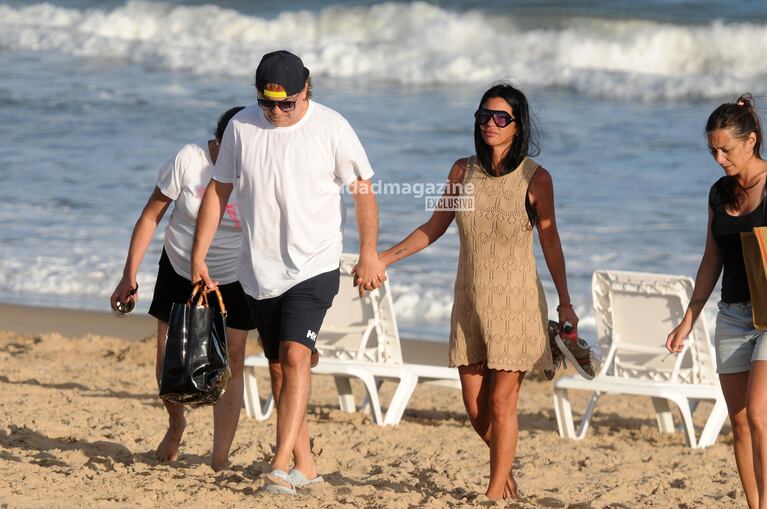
x,y
499,320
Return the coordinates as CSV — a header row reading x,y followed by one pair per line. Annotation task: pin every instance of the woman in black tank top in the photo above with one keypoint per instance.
x,y
736,204
726,229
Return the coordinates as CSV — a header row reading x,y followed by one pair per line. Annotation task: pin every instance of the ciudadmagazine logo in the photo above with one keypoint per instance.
x,y
439,196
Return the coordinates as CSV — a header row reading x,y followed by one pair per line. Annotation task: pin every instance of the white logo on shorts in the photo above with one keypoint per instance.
x,y
311,335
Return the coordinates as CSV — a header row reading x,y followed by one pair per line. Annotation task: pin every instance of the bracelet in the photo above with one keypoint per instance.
x,y
133,290
565,305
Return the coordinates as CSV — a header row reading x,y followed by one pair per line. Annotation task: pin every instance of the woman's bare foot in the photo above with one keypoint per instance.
x,y
168,448
219,465
511,488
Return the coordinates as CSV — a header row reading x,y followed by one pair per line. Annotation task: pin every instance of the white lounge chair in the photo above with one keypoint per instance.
x,y
634,313
359,339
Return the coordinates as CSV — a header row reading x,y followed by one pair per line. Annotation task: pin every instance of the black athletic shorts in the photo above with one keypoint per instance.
x,y
296,315
171,287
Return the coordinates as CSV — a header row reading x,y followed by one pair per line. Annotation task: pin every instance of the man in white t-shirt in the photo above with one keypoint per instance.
x,y
289,158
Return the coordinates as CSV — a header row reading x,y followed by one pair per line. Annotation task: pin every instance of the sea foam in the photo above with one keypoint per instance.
x,y
413,44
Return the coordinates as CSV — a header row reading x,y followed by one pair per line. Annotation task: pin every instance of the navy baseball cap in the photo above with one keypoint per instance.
x,y
281,68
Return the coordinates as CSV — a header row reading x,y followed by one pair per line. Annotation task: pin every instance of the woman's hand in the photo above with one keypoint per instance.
x,y
126,289
567,314
675,340
200,273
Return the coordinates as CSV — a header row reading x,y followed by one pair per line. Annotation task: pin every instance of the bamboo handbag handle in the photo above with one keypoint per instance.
x,y
202,299
220,302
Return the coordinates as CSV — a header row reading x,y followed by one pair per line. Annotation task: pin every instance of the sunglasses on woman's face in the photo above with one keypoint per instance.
x,y
268,104
501,118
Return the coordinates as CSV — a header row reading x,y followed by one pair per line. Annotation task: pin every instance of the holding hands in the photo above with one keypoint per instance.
x,y
369,273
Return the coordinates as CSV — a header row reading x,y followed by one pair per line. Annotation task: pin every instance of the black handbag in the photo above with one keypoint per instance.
x,y
195,369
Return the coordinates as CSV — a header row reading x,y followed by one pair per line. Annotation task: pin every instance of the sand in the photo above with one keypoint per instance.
x,y
80,419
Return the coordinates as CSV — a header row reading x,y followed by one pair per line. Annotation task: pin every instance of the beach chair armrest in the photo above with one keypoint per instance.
x,y
633,348
678,362
365,337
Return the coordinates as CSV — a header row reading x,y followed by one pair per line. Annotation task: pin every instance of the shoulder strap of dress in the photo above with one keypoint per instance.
x,y
472,165
528,167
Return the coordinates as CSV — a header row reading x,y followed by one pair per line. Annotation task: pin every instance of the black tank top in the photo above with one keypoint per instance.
x,y
726,231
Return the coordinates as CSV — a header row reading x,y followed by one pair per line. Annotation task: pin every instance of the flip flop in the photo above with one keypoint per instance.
x,y
299,480
273,487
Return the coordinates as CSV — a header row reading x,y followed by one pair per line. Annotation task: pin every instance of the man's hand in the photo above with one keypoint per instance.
x,y
369,273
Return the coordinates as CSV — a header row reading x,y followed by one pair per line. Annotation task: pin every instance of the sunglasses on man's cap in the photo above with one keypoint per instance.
x,y
268,104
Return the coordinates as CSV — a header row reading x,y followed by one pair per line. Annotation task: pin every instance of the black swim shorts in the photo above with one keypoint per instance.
x,y
170,287
296,315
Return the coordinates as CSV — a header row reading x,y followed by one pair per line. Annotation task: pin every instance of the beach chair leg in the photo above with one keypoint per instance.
x,y
564,413
365,406
371,387
252,399
693,407
714,423
345,394
586,420
400,399
663,415
689,429
248,393
266,410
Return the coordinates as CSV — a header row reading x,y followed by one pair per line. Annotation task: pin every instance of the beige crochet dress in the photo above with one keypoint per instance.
x,y
499,311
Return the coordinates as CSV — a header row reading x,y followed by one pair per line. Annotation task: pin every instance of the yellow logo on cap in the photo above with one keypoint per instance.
x,y
275,94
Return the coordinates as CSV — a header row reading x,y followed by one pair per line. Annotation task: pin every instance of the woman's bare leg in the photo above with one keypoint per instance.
x,y
756,409
504,433
475,386
168,448
735,390
226,413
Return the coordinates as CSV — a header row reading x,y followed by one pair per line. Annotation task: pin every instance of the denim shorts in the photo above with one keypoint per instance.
x,y
736,342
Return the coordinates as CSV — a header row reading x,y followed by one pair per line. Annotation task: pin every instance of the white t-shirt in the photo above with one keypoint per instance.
x,y
184,179
288,182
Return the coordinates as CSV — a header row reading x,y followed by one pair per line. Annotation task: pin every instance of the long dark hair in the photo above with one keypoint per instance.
x,y
223,121
526,140
742,119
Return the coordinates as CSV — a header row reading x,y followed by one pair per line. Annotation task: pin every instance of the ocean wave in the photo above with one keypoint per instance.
x,y
413,44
